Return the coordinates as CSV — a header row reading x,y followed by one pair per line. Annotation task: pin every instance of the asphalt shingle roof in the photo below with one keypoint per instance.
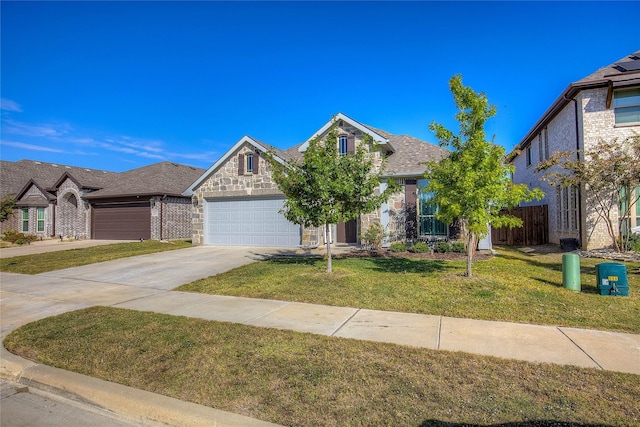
x,y
15,175
407,159
164,178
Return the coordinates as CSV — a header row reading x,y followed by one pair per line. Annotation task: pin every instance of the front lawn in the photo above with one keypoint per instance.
x,y
50,261
512,286
293,378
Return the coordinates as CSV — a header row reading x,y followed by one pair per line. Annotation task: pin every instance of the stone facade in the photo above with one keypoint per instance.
x,y
594,122
226,181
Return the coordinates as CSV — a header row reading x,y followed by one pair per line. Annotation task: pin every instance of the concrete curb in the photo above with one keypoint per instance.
x,y
136,405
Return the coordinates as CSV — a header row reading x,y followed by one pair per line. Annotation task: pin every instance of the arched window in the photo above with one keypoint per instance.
x,y
71,199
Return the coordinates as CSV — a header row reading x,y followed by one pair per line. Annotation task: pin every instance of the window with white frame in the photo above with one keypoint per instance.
x,y
626,106
343,145
567,213
630,208
543,145
25,220
248,167
529,155
40,219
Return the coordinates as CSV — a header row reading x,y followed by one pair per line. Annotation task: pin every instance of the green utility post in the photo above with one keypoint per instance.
x,y
571,272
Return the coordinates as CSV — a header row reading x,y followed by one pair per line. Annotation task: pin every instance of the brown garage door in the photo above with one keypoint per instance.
x,y
124,221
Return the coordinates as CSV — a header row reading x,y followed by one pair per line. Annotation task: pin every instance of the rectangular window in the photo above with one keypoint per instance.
x,y
428,224
567,213
25,220
626,106
540,148
546,143
40,219
529,155
343,145
627,211
543,145
249,163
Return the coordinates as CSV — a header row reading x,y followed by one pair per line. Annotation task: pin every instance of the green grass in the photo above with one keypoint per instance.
x,y
512,286
50,261
293,378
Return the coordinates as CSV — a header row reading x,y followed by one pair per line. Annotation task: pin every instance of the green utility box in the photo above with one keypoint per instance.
x,y
571,272
611,278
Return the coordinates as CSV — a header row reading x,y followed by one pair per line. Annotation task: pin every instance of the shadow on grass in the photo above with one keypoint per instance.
x,y
532,423
555,266
405,265
301,260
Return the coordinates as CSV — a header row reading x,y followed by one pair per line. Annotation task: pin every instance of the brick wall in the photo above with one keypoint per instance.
x,y
595,122
73,216
175,213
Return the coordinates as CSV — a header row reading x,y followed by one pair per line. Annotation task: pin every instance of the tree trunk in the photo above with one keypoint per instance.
x,y
471,248
328,241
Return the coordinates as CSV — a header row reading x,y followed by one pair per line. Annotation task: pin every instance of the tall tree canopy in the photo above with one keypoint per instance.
x,y
6,207
473,184
326,188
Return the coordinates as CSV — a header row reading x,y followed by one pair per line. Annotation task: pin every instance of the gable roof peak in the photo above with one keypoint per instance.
x,y
377,137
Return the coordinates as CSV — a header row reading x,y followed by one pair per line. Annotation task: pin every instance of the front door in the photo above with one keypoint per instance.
x,y
348,232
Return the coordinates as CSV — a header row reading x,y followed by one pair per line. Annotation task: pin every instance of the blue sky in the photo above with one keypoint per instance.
x,y
119,85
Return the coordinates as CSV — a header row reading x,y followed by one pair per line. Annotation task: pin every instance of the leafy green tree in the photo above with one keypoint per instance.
x,y
6,207
609,171
473,184
326,188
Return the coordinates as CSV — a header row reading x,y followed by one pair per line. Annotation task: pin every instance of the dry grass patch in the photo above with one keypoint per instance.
x,y
293,378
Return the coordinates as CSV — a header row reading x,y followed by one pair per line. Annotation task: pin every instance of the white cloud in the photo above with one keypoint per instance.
x,y
9,105
30,147
25,129
141,144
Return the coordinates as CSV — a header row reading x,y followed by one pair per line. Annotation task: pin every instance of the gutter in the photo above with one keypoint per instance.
x,y
622,80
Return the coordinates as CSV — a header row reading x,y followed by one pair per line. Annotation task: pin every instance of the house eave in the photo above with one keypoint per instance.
x,y
377,138
569,94
222,160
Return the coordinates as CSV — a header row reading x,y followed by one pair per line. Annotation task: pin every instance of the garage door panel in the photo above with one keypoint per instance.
x,y
249,222
130,221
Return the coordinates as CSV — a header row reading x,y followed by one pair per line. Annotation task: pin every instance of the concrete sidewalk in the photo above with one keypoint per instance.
x,y
145,282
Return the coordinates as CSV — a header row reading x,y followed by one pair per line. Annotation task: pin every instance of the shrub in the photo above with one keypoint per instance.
x,y
374,236
442,247
457,247
398,247
421,247
634,243
18,238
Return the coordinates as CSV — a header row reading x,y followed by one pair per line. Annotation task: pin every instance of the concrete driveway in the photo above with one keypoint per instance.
x,y
26,298
145,283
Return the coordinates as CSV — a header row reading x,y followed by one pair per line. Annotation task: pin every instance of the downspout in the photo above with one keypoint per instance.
x,y
577,129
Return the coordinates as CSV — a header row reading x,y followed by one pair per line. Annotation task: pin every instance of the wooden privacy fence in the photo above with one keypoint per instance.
x,y
534,230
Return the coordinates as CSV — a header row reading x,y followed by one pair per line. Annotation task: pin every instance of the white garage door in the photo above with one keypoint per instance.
x,y
248,222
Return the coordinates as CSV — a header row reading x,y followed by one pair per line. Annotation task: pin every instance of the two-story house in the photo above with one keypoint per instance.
x,y
602,106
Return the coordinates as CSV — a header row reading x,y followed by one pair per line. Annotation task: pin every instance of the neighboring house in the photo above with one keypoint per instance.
x,y
237,203
602,106
74,202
